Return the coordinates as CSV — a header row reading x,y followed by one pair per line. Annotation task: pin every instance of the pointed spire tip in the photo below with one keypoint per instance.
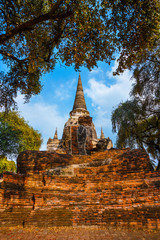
x,y
79,98
56,135
102,134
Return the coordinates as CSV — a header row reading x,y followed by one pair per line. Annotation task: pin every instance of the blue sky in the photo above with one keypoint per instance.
x,y
50,109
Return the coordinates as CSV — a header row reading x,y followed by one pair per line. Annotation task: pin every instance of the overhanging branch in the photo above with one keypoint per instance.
x,y
9,55
29,24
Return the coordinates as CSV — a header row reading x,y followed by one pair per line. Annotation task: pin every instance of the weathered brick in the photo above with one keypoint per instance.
x,y
123,192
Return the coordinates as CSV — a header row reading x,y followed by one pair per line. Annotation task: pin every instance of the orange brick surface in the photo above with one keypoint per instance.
x,y
123,193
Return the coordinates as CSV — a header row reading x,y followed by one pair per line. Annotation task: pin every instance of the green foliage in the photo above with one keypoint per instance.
x,y
138,121
147,81
16,135
6,165
124,121
135,129
35,34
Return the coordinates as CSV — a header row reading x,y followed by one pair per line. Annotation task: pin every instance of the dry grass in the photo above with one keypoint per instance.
x,y
75,233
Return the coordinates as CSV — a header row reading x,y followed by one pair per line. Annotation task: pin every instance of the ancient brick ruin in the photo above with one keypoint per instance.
x,y
79,134
85,185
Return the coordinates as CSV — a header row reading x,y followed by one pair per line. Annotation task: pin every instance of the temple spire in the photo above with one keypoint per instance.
x,y
79,101
55,135
102,134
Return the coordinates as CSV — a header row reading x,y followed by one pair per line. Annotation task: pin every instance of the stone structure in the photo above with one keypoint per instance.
x,y
53,144
104,143
115,187
79,134
102,134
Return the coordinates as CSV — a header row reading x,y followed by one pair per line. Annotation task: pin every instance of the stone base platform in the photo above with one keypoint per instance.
x,y
115,188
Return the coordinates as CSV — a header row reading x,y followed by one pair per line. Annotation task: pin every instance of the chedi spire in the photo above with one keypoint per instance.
x,y
79,102
53,144
102,134
55,135
79,133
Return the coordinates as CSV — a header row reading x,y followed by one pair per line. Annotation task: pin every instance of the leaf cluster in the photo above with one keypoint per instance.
x,y
16,135
146,77
6,165
35,34
135,130
137,121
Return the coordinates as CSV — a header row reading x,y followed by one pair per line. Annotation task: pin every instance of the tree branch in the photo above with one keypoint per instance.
x,y
29,24
9,55
54,41
151,144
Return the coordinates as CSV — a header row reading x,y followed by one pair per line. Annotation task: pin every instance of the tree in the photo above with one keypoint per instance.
x,y
6,165
146,77
35,34
16,135
135,130
137,121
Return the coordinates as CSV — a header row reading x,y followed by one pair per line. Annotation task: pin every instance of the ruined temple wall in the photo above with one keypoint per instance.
x,y
78,135
124,193
83,200
41,161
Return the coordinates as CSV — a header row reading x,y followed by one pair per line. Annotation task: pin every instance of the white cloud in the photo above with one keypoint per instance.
x,y
119,78
96,70
106,96
63,92
42,117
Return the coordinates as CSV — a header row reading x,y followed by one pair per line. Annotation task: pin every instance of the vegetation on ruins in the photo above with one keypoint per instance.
x,y
6,165
137,121
16,135
35,34
135,129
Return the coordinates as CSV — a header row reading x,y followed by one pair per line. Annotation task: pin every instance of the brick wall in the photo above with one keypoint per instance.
x,y
74,140
39,161
123,193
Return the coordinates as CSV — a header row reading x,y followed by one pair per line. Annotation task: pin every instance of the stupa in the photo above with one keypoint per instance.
x,y
79,133
52,144
115,188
